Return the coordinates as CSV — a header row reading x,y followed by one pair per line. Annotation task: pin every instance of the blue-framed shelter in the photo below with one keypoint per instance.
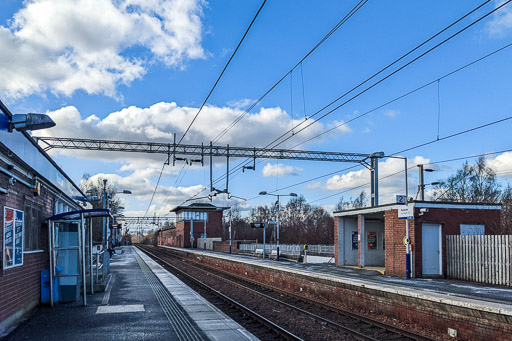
x,y
81,247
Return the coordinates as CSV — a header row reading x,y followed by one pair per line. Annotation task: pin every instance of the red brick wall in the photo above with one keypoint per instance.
x,y
213,230
450,220
224,247
437,317
336,241
20,286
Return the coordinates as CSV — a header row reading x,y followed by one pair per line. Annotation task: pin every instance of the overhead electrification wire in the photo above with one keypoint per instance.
x,y
395,153
275,142
209,94
255,103
236,170
240,165
412,167
222,73
405,95
395,71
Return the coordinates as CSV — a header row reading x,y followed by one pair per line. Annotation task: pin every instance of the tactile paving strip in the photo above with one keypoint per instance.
x,y
185,328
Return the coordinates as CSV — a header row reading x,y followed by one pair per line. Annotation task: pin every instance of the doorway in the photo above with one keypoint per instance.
x,y
431,250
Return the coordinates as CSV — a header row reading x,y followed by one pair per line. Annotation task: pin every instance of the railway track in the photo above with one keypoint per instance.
x,y
315,320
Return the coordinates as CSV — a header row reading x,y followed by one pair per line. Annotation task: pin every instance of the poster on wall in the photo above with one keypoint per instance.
x,y
355,242
372,240
13,238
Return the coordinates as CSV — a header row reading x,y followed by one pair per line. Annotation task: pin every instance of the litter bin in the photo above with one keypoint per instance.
x,y
45,286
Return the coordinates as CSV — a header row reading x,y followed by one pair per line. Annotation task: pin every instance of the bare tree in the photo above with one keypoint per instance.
x,y
506,210
471,183
359,202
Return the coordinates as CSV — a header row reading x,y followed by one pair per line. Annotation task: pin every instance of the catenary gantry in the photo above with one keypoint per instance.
x,y
209,150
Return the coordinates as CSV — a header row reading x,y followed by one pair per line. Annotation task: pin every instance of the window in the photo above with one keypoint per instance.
x,y
472,230
33,223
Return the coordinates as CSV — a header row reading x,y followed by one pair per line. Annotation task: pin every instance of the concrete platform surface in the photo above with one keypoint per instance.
x,y
459,293
135,306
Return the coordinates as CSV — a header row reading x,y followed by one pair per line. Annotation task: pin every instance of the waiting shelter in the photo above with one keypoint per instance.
x,y
393,236
73,260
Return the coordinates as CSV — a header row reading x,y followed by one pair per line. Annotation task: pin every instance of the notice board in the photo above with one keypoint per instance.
x,y
13,238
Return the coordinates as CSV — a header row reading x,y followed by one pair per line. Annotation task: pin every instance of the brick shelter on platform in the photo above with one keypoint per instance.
x,y
374,236
32,188
196,215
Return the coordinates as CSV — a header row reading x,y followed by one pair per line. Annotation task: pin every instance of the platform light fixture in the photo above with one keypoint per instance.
x,y
278,208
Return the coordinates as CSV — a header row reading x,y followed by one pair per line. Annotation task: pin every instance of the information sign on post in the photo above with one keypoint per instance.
x,y
406,212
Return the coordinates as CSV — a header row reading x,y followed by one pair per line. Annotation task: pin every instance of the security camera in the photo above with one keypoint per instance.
x,y
423,210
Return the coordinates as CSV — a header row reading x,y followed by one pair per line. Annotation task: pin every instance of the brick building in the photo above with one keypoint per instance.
x,y
32,188
374,236
198,216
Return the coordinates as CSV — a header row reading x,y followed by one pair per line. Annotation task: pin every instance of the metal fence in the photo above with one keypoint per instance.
x,y
321,250
485,259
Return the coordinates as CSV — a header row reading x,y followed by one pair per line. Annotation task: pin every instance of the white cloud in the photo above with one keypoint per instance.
x,y
501,22
313,185
157,123
391,113
501,164
278,170
69,45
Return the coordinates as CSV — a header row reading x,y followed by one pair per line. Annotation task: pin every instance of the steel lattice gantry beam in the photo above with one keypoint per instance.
x,y
198,150
173,149
146,220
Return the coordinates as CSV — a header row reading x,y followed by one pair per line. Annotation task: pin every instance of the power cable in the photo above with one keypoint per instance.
x,y
224,70
407,94
255,103
382,70
389,75
237,168
209,94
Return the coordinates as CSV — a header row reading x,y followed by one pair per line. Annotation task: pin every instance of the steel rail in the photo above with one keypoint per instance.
x,y
355,316
269,324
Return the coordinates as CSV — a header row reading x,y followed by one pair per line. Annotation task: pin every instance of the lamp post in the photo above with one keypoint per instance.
x,y
278,209
106,197
422,184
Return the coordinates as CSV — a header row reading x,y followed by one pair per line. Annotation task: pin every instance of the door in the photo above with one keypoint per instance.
x,y
431,249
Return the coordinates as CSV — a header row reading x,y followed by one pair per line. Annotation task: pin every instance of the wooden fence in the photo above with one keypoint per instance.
x,y
484,259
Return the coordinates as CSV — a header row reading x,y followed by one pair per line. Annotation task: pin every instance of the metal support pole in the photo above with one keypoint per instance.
x,y
408,246
278,208
264,239
50,246
191,233
227,171
90,257
82,247
205,231
174,152
421,186
230,218
374,177
211,166
103,240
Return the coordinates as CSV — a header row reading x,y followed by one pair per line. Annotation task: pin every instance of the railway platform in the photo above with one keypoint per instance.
x,y
454,308
142,301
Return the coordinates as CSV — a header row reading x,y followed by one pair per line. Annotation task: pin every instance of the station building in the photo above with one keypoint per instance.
x,y
374,236
191,223
32,187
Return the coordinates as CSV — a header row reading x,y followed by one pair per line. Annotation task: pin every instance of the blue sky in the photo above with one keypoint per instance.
x,y
138,70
